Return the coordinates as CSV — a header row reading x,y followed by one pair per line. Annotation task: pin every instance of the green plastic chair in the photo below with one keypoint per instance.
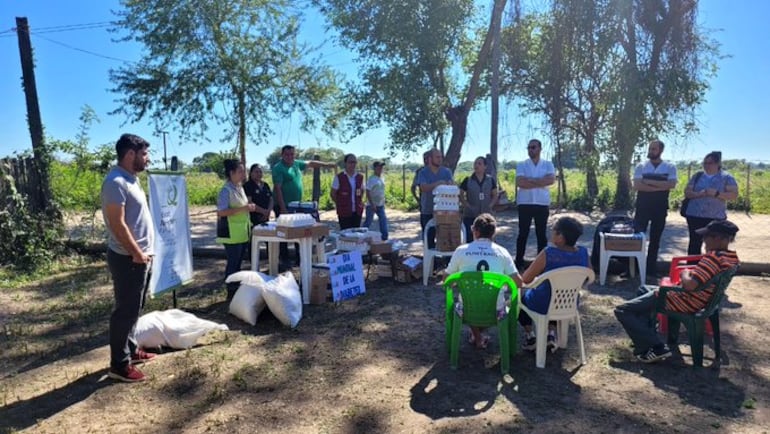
x,y
472,298
695,323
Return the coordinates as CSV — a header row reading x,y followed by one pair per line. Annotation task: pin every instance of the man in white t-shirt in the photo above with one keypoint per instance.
x,y
375,199
483,254
533,200
653,180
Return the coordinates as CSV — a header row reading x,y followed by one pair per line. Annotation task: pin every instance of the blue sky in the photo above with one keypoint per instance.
x,y
72,70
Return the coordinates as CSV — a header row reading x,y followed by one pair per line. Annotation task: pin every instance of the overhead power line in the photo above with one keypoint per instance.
x,y
83,50
58,29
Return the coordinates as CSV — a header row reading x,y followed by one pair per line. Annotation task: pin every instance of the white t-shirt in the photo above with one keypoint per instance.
x,y
534,196
375,185
482,255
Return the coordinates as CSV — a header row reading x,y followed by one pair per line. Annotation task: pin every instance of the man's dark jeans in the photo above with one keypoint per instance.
x,y
637,318
526,214
130,281
424,219
656,218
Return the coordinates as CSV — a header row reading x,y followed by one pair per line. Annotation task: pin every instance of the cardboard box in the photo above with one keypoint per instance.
x,y
315,231
266,231
448,237
627,245
407,269
447,217
381,247
319,284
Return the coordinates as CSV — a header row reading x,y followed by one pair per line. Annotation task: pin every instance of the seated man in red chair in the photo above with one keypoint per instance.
x,y
636,315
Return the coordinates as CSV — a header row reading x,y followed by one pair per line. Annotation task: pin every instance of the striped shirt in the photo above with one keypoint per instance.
x,y
709,266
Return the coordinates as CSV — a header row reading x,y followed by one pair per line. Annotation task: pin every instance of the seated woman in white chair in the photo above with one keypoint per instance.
x,y
563,253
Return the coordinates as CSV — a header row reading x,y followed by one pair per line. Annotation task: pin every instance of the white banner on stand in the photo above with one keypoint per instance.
x,y
347,275
172,264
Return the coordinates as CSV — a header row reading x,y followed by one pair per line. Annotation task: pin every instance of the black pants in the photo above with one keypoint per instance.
x,y
468,223
234,254
424,219
352,221
283,248
129,282
656,218
526,214
695,247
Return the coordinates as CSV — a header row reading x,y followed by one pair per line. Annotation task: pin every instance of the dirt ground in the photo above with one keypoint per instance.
x,y
373,364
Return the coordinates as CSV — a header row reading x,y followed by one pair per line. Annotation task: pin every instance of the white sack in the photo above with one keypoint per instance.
x,y
248,302
284,299
172,328
253,278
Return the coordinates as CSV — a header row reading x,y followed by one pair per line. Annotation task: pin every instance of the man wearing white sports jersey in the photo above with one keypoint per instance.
x,y
483,254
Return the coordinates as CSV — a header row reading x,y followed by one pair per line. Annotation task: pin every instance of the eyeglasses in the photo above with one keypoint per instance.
x,y
709,162
531,147
352,162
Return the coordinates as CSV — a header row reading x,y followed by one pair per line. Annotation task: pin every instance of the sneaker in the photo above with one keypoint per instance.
x,y
551,344
530,343
141,356
129,374
653,355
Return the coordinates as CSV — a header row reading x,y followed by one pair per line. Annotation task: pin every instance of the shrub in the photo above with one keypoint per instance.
x,y
30,241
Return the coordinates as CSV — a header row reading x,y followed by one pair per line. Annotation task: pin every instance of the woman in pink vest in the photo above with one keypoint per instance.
x,y
347,194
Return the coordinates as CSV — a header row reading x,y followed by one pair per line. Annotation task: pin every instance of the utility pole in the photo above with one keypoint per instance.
x,y
33,115
165,160
495,90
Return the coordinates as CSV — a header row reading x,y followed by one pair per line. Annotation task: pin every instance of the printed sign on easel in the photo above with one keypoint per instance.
x,y
347,275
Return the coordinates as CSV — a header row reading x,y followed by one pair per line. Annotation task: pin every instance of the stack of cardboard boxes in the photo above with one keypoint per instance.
x,y
448,229
446,213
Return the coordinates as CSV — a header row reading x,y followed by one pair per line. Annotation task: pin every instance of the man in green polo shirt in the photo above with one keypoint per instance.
x,y
287,183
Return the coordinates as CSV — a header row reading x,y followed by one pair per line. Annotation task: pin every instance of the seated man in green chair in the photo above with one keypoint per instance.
x,y
482,255
636,315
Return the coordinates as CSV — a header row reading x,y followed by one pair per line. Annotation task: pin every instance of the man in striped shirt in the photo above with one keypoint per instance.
x,y
635,315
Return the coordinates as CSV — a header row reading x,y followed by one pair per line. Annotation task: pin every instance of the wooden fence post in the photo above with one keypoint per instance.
x,y
403,181
747,200
316,182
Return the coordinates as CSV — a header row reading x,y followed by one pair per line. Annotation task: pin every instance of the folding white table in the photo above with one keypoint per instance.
x,y
306,257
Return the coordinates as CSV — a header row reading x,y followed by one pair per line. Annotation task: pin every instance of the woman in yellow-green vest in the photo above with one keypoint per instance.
x,y
233,224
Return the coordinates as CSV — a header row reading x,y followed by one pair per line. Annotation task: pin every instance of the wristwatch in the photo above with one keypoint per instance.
x,y
716,194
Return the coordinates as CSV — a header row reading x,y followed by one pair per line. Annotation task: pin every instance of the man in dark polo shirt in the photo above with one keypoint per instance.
x,y
653,180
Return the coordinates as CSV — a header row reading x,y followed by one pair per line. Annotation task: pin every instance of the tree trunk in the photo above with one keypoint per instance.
x,y
242,127
459,121
589,163
458,115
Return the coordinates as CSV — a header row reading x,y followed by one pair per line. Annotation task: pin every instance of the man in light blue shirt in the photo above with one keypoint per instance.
x,y
428,179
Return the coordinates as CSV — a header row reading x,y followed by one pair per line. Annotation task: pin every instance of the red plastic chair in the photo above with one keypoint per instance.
x,y
678,264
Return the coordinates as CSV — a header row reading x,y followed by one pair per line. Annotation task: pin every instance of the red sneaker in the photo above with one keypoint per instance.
x,y
141,356
129,374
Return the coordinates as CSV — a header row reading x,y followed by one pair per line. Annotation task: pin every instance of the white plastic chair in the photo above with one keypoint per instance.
x,y
566,283
429,254
639,255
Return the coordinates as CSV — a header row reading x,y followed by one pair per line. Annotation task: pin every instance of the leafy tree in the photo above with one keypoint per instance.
x,y
666,60
237,63
623,71
558,63
410,54
212,162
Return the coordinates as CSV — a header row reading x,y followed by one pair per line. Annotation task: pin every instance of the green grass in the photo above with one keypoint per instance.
x,y
79,189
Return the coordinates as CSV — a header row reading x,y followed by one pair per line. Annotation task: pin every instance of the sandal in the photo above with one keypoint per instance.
x,y
484,342
481,345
